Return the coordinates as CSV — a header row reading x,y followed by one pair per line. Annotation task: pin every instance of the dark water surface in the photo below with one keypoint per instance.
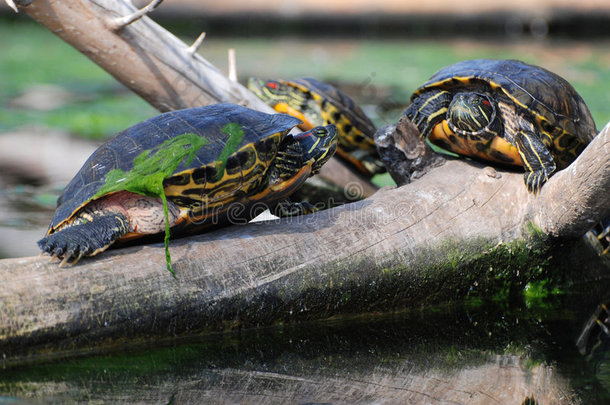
x,y
480,352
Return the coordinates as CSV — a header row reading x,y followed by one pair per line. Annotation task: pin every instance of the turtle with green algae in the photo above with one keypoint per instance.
x,y
504,111
198,187
317,103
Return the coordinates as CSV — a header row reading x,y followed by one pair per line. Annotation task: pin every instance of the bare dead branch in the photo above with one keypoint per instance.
x,y
295,268
232,65
117,24
197,44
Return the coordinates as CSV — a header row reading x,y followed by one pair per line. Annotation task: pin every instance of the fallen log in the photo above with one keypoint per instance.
x,y
438,239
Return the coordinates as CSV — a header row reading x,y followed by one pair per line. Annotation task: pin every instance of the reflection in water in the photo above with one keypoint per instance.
x,y
477,354
594,343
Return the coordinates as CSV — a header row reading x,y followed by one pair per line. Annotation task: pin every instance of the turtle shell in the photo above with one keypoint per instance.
x,y
345,113
323,104
552,103
262,134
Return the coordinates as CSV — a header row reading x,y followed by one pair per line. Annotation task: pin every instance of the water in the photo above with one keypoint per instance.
x,y
451,354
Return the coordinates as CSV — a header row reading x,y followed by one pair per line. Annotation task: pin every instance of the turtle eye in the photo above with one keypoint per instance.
x,y
320,132
478,100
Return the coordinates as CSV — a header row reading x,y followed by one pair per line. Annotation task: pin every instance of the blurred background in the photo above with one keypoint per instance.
x,y
57,106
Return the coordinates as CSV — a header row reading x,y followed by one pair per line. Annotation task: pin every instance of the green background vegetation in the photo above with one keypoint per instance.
x,y
379,74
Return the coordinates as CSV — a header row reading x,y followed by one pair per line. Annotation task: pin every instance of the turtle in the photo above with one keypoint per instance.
x,y
318,103
504,111
263,168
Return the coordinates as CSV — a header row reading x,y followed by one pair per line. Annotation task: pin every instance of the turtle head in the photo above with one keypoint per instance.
x,y
288,98
269,90
317,146
311,148
470,112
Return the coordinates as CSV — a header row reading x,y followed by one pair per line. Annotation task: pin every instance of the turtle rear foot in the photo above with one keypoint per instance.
x,y
87,239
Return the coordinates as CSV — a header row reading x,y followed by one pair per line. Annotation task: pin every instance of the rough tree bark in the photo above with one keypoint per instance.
x,y
406,246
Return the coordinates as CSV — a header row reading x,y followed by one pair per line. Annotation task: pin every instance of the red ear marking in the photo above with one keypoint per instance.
x,y
486,102
272,85
303,134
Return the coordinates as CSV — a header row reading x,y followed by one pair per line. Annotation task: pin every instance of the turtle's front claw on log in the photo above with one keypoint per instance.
x,y
535,180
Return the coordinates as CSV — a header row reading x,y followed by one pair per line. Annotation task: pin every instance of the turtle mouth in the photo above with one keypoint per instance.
x,y
302,135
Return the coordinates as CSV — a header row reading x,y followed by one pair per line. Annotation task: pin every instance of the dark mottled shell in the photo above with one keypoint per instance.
x,y
341,101
547,96
120,151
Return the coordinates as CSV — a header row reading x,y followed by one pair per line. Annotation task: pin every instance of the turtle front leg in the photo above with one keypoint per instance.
x,y
537,160
429,109
85,239
289,160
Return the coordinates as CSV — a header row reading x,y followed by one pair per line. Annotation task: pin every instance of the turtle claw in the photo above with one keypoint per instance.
x,y
72,243
64,261
76,260
535,180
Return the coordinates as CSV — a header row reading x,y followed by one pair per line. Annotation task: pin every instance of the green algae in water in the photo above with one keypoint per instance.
x,y
149,171
537,293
